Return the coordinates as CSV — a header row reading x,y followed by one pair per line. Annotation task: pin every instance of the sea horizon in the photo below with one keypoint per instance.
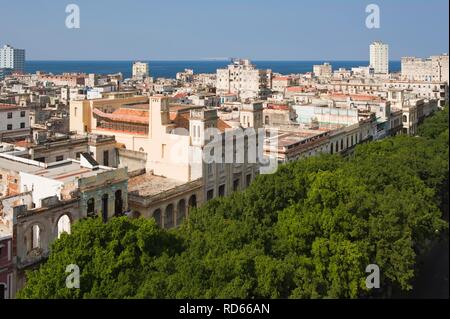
x,y
169,68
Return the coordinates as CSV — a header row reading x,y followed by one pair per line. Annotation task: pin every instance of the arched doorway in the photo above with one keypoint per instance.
x,y
181,212
105,208
63,225
157,216
169,217
118,203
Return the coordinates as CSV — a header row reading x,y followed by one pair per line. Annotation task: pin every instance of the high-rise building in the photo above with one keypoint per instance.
x,y
140,70
11,58
379,57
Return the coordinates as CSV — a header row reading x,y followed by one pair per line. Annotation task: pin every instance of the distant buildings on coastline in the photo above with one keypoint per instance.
x,y
11,60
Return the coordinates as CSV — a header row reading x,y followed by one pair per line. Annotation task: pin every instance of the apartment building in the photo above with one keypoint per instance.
x,y
420,89
432,69
323,70
14,122
379,57
11,58
243,78
140,70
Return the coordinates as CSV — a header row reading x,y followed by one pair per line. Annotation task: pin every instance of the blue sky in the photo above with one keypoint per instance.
x,y
207,29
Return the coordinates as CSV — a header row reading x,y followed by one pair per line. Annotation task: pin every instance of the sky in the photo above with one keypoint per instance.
x,y
220,29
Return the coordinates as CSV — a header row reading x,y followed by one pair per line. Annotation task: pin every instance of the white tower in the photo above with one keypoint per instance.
x,y
379,57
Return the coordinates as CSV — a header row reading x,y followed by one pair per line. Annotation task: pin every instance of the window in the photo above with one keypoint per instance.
x,y
60,158
63,225
236,185
40,159
22,125
222,190
10,115
9,127
210,194
78,155
106,158
22,113
163,150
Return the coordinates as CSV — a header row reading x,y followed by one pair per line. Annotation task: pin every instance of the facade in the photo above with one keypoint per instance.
x,y
14,122
11,58
432,69
140,70
379,57
244,79
324,70
297,143
420,89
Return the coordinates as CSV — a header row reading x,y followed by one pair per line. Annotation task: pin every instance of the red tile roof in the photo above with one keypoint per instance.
x,y
125,115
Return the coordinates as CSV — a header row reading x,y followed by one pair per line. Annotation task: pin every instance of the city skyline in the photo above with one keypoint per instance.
x,y
151,31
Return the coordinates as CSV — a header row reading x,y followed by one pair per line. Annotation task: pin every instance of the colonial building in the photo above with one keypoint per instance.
x,y
43,200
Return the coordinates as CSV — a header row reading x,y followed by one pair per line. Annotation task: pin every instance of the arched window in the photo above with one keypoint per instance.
x,y
105,208
169,217
118,203
267,120
34,238
91,208
157,216
63,225
405,119
181,211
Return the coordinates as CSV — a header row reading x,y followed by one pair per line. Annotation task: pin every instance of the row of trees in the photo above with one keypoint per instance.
x,y
307,231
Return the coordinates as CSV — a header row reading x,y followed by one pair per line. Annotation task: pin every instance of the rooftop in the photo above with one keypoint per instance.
x,y
64,171
150,185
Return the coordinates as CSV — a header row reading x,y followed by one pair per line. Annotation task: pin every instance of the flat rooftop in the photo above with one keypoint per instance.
x,y
65,171
149,185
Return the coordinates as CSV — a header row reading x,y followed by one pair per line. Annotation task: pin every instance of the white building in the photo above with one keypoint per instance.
x,y
434,68
11,58
242,77
140,70
379,57
14,121
323,70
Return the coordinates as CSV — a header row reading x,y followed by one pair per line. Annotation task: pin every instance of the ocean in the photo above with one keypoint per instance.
x,y
169,69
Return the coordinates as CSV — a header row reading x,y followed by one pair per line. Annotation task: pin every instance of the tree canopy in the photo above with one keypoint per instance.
x,y
307,231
